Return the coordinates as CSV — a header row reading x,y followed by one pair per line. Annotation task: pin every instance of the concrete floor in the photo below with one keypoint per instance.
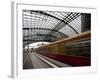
x,y
35,61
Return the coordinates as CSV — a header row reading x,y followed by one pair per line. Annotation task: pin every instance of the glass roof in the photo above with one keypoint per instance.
x,y
49,25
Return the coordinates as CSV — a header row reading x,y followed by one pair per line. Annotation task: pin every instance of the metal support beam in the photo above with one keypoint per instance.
x,y
41,12
46,29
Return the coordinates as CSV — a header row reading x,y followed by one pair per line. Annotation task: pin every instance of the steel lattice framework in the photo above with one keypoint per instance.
x,y
49,25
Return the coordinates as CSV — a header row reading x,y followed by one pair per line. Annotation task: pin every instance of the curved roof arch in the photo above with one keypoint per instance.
x,y
62,20
49,25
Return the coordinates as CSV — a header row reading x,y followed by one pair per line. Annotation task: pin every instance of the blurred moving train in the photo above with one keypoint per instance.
x,y
75,50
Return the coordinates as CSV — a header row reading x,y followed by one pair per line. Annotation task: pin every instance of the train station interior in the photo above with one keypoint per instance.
x,y
56,39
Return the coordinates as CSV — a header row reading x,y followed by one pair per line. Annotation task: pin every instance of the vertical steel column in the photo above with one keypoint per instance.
x,y
86,21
